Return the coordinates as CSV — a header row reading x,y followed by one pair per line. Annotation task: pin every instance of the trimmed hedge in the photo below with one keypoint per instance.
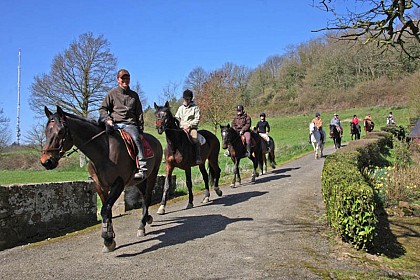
x,y
348,197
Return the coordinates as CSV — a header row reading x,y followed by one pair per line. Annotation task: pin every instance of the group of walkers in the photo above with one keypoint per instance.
x,y
122,109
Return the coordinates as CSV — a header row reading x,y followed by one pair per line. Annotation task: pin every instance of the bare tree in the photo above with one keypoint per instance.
x,y
79,77
195,80
36,136
4,129
143,99
392,23
170,92
217,99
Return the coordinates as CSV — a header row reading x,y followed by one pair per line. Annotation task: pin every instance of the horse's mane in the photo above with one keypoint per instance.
x,y
83,119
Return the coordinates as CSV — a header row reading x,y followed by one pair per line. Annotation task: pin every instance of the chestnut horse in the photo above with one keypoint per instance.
x,y
232,141
110,165
180,152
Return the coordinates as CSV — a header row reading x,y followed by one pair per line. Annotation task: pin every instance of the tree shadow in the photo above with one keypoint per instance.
x,y
185,229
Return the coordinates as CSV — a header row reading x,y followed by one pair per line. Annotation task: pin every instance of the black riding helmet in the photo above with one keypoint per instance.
x,y
239,108
188,94
262,114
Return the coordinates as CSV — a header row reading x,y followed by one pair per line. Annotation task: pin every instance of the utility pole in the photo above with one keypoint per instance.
x,y
18,104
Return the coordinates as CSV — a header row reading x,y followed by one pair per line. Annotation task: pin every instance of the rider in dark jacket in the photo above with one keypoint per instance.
x,y
242,124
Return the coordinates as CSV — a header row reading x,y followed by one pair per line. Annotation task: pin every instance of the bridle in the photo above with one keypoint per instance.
x,y
163,123
67,136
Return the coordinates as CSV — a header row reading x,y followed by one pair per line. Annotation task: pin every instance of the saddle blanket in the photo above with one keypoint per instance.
x,y
131,147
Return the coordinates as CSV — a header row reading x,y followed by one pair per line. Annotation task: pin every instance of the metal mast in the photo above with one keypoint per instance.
x,y
18,104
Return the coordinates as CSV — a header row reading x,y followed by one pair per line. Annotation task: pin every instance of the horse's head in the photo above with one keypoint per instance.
x,y
58,138
312,128
164,118
228,135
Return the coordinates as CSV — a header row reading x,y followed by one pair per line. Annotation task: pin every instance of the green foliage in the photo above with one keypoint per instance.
x,y
349,200
348,196
402,154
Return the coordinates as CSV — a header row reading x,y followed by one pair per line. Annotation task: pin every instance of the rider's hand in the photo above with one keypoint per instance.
x,y
109,122
186,127
241,132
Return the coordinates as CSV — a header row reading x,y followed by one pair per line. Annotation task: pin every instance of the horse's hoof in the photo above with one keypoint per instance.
x,y
189,206
110,248
232,186
218,191
206,200
141,232
161,210
149,220
257,174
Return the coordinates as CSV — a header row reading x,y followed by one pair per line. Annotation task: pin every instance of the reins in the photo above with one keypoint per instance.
x,y
87,142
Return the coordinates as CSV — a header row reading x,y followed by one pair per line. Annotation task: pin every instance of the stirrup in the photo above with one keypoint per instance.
x,y
140,174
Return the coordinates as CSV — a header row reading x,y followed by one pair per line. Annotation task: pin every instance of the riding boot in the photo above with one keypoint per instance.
x,y
197,153
141,173
248,150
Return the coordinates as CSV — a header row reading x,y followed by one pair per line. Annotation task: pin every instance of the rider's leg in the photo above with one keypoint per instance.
x,y
248,143
135,135
194,137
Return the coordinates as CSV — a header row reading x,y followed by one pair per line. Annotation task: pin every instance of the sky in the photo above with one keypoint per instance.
x,y
158,41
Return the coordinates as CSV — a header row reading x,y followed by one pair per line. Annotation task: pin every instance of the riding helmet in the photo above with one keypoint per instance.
x,y
262,114
240,108
317,114
188,94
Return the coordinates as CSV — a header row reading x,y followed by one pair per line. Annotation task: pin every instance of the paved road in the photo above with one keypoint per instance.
x,y
269,230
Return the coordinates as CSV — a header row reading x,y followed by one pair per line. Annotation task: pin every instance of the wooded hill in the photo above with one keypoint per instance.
x,y
320,75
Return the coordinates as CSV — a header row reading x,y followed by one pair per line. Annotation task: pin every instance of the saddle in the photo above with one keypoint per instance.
x,y
253,143
131,147
200,138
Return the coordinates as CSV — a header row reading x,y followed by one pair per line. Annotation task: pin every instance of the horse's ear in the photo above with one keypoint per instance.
x,y
48,113
228,126
167,104
156,106
60,113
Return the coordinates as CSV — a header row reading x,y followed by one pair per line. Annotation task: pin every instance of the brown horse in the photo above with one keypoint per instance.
x,y
368,125
270,151
232,141
180,152
110,166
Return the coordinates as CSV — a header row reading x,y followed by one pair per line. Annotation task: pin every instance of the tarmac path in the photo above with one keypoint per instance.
x,y
272,229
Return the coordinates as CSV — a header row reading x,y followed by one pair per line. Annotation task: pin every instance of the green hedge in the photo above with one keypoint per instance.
x,y
348,197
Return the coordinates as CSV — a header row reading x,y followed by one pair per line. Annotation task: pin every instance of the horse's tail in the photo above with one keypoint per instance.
x,y
271,155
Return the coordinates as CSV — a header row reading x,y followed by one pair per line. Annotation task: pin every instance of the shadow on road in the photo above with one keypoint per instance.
x,y
184,229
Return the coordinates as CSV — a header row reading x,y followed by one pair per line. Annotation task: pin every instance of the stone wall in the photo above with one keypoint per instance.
x,y
35,212
30,213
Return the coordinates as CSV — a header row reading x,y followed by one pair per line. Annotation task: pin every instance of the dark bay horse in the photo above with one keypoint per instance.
x,y
232,141
355,131
336,136
110,165
268,150
180,152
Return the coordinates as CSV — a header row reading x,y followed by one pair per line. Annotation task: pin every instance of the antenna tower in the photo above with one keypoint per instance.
x,y
18,104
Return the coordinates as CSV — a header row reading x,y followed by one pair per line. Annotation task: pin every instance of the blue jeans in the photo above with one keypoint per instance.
x,y
134,132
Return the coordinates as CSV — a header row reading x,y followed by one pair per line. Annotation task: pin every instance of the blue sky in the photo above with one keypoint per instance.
x,y
159,42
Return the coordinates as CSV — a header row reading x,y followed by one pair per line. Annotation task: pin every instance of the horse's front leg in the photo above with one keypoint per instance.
x,y
236,173
106,212
168,182
205,175
189,186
